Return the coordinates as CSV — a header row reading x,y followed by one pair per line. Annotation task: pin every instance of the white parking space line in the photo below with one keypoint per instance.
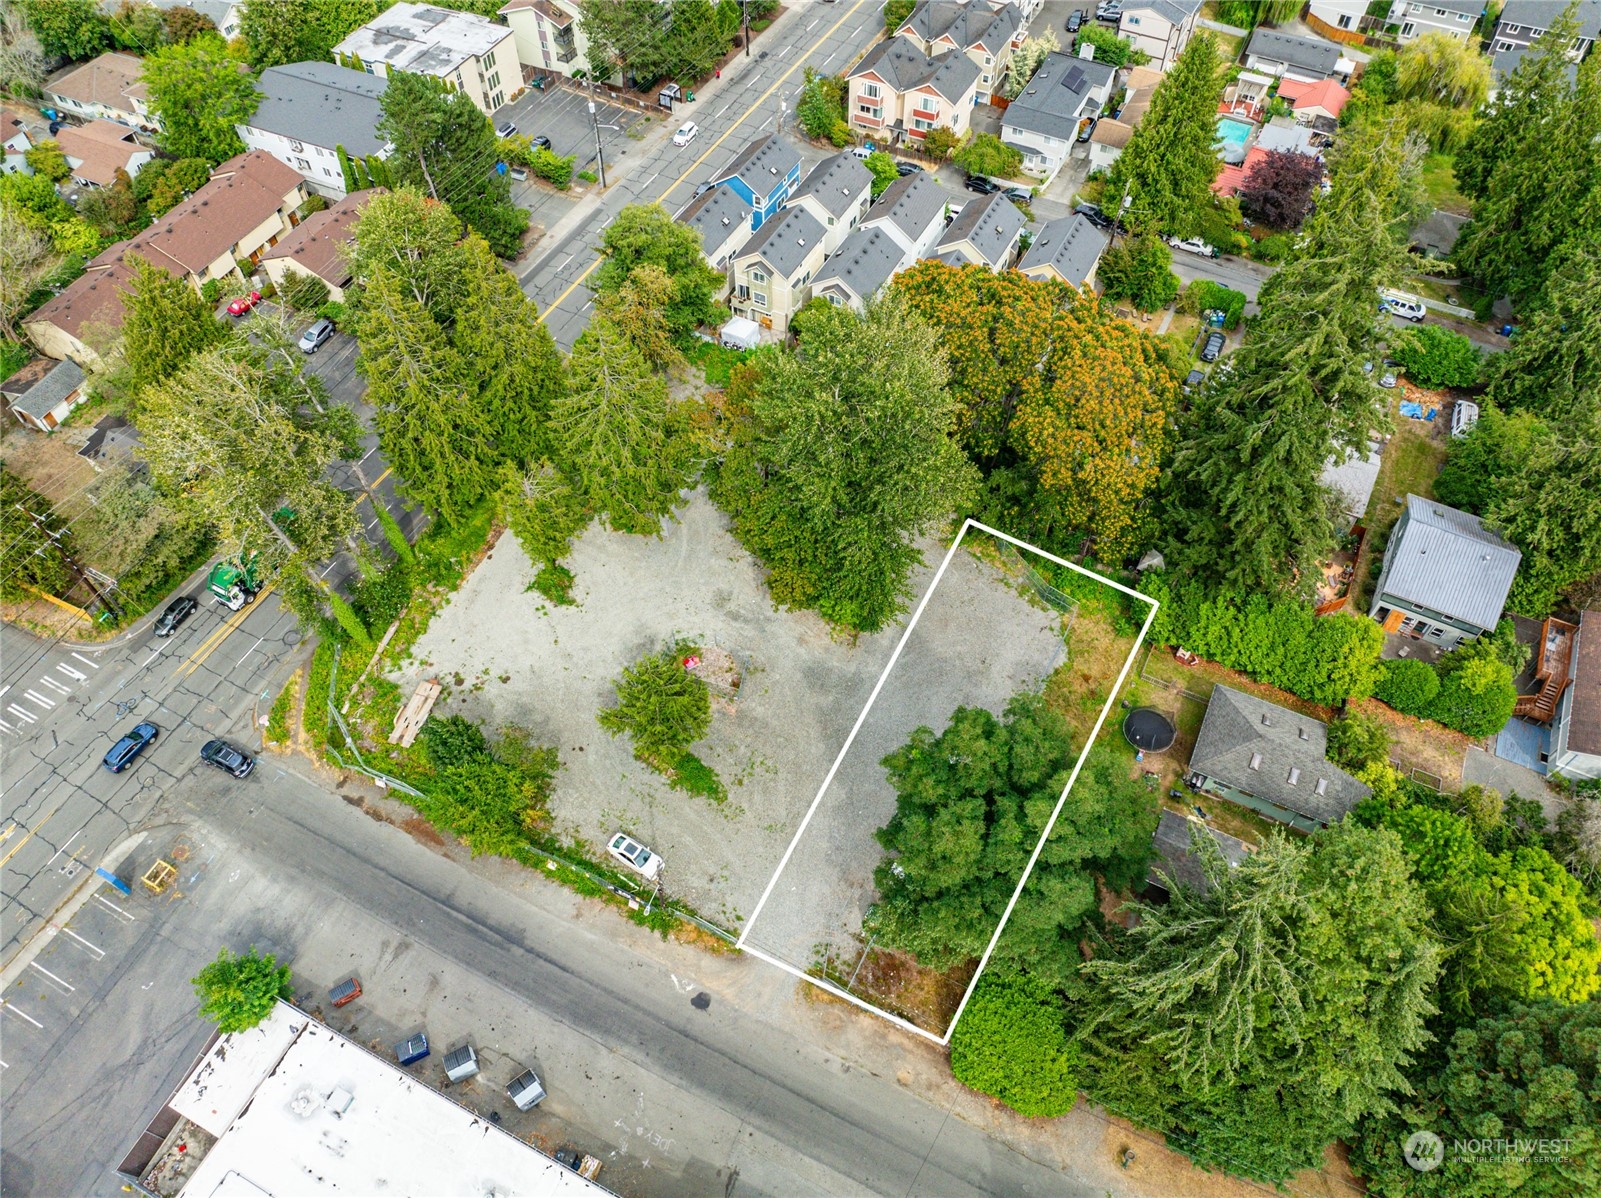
x,y
98,952
62,982
86,661
4,689
55,686
36,697
125,916
11,1008
22,714
75,675
5,727
152,657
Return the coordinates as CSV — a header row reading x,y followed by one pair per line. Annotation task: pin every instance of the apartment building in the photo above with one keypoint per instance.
x,y
475,55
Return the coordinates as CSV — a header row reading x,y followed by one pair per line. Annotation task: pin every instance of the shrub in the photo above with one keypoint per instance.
x,y
278,717
663,706
694,776
334,311
820,108
1011,1044
1357,741
940,142
211,291
587,176
1138,269
380,598
1273,248
986,154
314,715
305,293
1204,294
553,168
1111,49
453,740
555,583
1408,686
1437,357
1476,694
237,993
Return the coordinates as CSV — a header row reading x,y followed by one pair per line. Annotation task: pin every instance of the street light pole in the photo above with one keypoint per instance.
x,y
594,117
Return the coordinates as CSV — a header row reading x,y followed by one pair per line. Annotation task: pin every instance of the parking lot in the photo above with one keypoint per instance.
x,y
507,656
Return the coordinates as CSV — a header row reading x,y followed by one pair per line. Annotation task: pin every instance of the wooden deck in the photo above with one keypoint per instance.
x,y
1552,671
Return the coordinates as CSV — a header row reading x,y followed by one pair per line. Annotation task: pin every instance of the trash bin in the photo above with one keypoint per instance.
x,y
412,1049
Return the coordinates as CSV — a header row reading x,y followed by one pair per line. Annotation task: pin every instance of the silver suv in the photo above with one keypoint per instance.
x,y
316,336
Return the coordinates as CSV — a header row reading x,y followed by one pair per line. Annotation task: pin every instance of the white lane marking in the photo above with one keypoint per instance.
x,y
368,454
59,981
808,28
12,1008
98,952
124,915
55,686
86,661
152,657
4,689
36,697
21,713
324,574
248,652
71,673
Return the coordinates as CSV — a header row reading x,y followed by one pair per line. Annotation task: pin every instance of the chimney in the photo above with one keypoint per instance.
x,y
1086,51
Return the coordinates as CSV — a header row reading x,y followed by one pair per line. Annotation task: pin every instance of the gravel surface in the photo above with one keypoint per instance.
x,y
978,642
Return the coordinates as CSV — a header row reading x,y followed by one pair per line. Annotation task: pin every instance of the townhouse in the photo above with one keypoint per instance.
x,y
1161,28
318,245
311,110
838,192
897,93
1043,120
1068,250
987,35
772,273
985,233
763,175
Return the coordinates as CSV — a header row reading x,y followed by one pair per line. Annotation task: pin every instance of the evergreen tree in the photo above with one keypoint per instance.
x,y
199,94
1540,194
283,31
1553,366
165,321
1169,164
1245,502
346,170
616,433
1475,474
417,240
74,29
844,458
444,146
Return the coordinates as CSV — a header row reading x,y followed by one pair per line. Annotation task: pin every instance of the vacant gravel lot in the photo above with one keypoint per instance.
x,y
978,643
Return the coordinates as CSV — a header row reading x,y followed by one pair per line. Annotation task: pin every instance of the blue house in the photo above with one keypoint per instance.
x,y
763,174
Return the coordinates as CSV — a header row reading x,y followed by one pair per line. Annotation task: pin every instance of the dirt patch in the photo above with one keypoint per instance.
x,y
897,983
1421,744
423,832
698,937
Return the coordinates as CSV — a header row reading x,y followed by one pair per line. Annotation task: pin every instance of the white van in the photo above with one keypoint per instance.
x,y
1402,304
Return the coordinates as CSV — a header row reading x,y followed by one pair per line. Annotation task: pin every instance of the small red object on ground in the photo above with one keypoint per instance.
x,y
691,662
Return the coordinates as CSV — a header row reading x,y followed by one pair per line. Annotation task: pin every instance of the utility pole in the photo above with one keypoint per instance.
x,y
69,561
594,117
744,20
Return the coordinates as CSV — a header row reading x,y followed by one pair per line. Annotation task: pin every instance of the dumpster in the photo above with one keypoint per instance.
x,y
412,1049
461,1063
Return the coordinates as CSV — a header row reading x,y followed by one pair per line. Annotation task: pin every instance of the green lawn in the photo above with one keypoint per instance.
x,y
1439,182
1411,462
715,361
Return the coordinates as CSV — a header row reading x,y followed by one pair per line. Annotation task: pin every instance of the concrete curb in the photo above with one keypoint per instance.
x,y
65,910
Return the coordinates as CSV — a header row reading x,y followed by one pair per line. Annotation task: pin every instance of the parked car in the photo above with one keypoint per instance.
x,y
982,185
1075,21
347,991
126,750
863,152
1403,304
1193,380
316,336
634,855
505,129
179,610
526,1090
1019,195
1086,128
1193,245
244,303
1094,215
702,188
1214,346
540,143
907,168
686,133
227,758
1387,380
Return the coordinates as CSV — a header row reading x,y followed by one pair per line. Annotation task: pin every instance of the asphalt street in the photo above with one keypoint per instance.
x,y
731,1092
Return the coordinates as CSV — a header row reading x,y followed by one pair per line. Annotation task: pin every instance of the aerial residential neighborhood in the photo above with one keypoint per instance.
x,y
670,598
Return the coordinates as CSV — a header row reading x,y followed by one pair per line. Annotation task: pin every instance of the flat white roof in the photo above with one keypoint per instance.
x,y
423,39
393,1135
221,1084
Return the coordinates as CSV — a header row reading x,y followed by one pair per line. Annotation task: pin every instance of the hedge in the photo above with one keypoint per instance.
x,y
1408,685
1012,1044
1203,294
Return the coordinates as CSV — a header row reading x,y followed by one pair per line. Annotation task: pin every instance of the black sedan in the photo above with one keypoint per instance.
x,y
1094,215
126,751
225,757
1075,19
907,168
179,610
983,186
1214,346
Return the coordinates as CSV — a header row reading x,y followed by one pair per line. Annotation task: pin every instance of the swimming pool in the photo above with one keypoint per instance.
x,y
1231,137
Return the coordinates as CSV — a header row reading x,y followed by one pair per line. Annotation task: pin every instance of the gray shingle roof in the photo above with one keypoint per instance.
x,y
321,103
785,240
971,24
1505,62
41,385
836,183
1057,95
1233,736
1303,52
714,215
903,66
1448,561
990,223
864,262
1176,11
761,165
1471,7
1175,857
1538,14
1069,243
911,204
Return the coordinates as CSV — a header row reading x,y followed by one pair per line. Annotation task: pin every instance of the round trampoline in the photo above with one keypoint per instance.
x,y
1148,730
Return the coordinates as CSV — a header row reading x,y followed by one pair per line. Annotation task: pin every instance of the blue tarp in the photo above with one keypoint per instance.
x,y
1415,410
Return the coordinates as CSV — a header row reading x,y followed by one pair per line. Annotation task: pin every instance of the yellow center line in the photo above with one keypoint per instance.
x,y
31,833
694,166
209,645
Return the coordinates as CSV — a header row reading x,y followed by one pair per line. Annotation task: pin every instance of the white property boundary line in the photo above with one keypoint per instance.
x,y
824,984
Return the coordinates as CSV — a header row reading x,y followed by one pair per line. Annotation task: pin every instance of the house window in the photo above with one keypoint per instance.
x,y
302,165
757,276
489,59
296,146
1500,46
1256,761
833,299
1514,28
871,91
759,299
743,291
1133,20
1322,786
494,81
496,100
922,124
867,109
1345,20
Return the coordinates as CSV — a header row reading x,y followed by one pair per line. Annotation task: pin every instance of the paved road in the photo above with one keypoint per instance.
x,y
752,97
732,1094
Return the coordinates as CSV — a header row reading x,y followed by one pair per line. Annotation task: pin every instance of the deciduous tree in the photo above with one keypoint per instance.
x,y
29,529
884,171
1139,269
845,459
282,31
820,108
1169,164
23,66
47,159
238,992
27,259
1278,190
74,29
199,93
1437,357
645,234
1026,60
986,154
1010,1043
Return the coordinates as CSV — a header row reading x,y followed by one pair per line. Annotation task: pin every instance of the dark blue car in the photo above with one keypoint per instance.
x,y
124,752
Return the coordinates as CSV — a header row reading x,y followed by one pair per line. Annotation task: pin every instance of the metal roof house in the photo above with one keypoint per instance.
x,y
1068,249
763,174
1446,576
1176,863
985,234
1272,760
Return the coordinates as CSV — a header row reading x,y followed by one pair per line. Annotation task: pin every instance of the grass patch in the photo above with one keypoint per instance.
x,y
555,583
1228,45
716,361
278,718
693,776
1411,463
314,717
1439,184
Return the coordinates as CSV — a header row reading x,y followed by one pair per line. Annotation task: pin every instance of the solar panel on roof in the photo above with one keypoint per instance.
x,y
1074,80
